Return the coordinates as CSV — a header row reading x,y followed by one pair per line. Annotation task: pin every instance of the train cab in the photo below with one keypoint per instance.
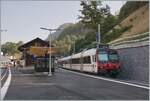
x,y
108,61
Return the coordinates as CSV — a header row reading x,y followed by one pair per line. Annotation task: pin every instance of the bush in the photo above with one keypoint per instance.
x,y
114,34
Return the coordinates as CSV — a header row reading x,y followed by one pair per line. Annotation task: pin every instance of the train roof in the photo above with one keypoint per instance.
x,y
64,58
89,52
84,54
78,55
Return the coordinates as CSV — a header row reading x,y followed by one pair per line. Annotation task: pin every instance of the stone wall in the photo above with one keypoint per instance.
x,y
135,62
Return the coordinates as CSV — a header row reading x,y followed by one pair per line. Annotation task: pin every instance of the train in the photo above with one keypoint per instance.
x,y
101,60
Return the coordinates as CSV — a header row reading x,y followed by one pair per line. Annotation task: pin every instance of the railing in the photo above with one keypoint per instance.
x,y
131,39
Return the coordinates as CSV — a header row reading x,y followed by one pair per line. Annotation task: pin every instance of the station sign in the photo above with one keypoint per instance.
x,y
41,51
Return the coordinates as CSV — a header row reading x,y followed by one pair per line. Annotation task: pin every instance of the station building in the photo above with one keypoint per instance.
x,y
25,49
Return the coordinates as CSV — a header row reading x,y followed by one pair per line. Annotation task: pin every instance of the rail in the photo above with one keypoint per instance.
x,y
131,39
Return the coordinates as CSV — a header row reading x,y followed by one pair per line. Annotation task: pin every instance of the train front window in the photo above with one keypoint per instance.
x,y
113,57
103,57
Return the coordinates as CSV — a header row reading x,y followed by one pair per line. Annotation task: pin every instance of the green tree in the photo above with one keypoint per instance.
x,y
109,22
10,48
93,13
129,7
19,43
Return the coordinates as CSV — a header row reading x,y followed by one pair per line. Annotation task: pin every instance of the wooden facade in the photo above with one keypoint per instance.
x,y
26,47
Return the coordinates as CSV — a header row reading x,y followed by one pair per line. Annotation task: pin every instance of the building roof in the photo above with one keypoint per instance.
x,y
30,43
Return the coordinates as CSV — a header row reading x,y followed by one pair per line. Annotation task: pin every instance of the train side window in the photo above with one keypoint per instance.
x,y
68,61
72,61
84,59
76,61
87,59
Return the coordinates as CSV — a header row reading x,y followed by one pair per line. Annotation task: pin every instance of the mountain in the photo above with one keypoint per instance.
x,y
138,20
56,34
76,37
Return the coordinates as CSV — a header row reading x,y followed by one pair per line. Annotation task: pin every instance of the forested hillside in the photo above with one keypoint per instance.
x,y
130,7
56,34
81,35
138,21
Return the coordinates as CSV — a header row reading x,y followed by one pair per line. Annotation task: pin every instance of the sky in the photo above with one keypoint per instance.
x,y
23,19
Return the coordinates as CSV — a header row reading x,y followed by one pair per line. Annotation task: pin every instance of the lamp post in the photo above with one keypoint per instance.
x,y
24,56
0,40
74,47
50,30
98,36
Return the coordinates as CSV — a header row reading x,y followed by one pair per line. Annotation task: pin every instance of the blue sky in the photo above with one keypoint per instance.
x,y
23,19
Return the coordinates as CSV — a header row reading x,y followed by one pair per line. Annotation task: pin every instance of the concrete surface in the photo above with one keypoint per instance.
x,y
65,85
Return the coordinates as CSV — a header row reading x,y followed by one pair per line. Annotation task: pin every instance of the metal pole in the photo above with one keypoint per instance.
x,y
0,40
0,43
24,64
50,58
74,47
99,36
50,73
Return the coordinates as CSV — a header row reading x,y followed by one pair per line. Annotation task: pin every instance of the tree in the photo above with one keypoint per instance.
x,y
93,13
129,7
11,48
19,43
84,32
68,37
109,22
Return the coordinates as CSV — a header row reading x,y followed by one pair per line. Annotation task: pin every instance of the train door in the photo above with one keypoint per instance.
x,y
81,62
71,62
91,65
93,62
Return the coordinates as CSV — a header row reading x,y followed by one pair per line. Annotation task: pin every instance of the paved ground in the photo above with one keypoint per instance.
x,y
65,85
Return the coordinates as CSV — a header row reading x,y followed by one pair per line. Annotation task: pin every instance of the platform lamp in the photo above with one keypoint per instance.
x,y
50,30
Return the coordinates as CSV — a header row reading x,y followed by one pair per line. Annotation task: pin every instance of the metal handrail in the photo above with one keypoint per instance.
x,y
131,41
121,39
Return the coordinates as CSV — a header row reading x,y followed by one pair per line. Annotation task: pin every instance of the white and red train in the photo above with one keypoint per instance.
x,y
94,60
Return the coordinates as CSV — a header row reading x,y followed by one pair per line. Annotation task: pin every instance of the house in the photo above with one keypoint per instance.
x,y
25,49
